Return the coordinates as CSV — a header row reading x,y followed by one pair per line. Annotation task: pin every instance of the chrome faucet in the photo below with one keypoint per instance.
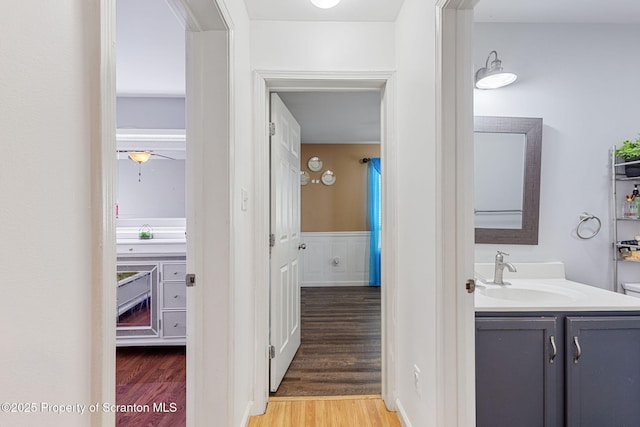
x,y
500,265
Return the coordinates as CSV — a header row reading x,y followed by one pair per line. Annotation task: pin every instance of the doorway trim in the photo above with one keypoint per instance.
x,y
271,81
210,47
454,140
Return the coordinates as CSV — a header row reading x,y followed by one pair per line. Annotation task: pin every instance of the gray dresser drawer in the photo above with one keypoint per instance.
x,y
174,324
174,272
174,295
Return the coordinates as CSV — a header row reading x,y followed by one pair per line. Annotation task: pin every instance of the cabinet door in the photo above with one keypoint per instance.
x,y
603,371
517,380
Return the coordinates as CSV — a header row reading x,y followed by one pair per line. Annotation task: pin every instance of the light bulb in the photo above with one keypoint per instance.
x,y
325,4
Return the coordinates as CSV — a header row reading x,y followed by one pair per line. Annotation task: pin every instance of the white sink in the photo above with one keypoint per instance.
x,y
512,293
543,287
549,294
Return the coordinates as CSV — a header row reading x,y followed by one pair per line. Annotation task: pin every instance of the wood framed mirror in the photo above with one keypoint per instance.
x,y
507,156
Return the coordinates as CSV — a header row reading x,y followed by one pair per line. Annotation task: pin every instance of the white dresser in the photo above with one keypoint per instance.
x,y
152,305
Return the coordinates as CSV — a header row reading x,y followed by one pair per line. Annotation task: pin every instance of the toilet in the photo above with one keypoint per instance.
x,y
632,289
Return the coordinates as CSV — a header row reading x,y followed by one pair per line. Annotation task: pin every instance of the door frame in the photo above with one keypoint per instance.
x,y
209,30
454,141
272,81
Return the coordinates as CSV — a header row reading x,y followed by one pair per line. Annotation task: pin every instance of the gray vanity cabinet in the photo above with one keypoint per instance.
x,y
517,372
603,371
573,369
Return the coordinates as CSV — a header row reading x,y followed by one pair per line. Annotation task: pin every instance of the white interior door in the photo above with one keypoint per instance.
x,y
285,230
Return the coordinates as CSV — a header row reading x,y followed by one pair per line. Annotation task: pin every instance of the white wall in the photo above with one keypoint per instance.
x,y
48,121
416,211
242,334
583,81
338,258
318,46
139,112
154,189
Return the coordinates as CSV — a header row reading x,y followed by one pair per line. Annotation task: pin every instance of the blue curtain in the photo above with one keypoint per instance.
x,y
375,221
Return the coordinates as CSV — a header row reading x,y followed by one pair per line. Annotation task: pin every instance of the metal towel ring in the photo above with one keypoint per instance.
x,y
584,217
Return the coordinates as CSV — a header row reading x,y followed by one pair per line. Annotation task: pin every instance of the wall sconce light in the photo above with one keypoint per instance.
x,y
325,4
492,76
139,156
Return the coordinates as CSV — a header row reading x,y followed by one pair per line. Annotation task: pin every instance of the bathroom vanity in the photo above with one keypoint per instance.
x,y
151,289
551,352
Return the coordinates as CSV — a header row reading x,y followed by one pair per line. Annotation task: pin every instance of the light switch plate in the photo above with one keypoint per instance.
x,y
245,198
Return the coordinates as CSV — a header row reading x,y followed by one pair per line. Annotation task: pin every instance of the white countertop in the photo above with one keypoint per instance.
x,y
544,288
143,247
169,237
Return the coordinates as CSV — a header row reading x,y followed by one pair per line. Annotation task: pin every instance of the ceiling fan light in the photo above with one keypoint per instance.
x,y
325,4
140,156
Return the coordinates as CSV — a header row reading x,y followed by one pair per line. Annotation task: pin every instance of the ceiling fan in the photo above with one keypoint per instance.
x,y
141,157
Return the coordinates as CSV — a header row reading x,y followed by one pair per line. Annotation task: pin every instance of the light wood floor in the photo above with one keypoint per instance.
x,y
333,411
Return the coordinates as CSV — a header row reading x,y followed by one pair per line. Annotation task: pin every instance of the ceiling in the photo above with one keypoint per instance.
x,y
151,51
559,11
335,117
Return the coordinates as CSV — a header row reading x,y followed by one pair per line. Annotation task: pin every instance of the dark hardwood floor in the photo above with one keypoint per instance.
x,y
340,348
148,376
140,315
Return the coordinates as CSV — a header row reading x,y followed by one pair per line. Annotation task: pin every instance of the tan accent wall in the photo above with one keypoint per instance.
x,y
343,205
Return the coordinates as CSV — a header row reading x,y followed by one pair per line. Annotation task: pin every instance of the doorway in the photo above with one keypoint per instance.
x,y
206,31
265,83
339,134
150,209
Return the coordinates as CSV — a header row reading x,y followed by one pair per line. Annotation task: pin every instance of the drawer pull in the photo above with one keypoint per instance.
x,y
578,350
175,325
176,296
552,339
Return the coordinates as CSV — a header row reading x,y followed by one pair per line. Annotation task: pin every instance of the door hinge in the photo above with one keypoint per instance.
x,y
190,279
272,352
272,240
272,128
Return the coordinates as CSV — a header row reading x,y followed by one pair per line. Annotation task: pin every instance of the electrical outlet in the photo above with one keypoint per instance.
x,y
416,380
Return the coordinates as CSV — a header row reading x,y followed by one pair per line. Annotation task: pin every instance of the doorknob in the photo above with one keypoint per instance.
x,y
470,286
302,246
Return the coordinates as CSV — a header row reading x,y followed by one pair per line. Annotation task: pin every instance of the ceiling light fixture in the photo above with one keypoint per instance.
x,y
140,156
493,76
325,4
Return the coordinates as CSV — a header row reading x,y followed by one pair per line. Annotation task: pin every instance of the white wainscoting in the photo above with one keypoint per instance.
x,y
335,258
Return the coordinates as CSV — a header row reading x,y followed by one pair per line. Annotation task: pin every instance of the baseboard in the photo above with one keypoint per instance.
x,y
329,284
246,415
402,415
